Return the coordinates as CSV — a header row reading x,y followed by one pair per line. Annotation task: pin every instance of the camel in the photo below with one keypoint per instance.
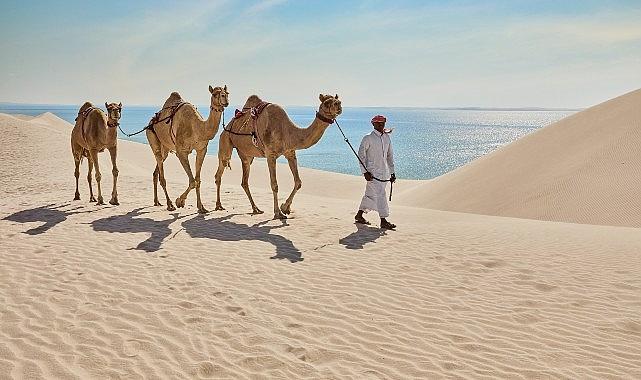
x,y
93,133
271,134
178,127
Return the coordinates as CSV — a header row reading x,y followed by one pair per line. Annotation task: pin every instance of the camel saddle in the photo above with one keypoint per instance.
x,y
169,119
248,113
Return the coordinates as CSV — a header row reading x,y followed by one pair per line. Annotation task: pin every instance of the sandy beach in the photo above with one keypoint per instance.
x,y
523,264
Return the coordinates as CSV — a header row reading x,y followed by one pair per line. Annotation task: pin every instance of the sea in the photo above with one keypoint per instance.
x,y
427,142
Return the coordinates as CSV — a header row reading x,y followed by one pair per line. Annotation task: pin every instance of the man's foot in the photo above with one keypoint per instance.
x,y
360,220
387,225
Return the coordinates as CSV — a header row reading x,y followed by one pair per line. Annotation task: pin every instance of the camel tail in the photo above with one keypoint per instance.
x,y
85,153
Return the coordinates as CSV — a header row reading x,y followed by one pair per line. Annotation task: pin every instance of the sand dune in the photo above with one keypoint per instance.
x,y
135,291
583,169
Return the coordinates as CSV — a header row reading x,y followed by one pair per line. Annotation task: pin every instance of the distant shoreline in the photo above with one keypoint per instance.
x,y
471,108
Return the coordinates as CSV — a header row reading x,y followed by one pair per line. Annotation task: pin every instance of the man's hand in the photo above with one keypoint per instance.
x,y
368,176
393,178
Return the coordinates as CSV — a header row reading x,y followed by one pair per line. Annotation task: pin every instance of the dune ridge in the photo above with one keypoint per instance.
x,y
583,169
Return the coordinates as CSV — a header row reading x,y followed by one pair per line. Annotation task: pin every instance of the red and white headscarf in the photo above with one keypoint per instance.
x,y
381,119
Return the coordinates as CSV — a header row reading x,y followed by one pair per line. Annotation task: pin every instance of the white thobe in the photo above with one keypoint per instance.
x,y
377,155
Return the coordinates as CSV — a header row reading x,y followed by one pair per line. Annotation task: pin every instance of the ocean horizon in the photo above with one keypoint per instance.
x,y
428,142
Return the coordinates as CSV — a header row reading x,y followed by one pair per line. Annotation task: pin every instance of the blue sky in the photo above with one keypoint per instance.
x,y
372,53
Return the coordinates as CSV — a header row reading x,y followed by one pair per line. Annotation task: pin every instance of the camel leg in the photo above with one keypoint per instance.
x,y
293,165
200,157
160,159
184,160
156,149
90,169
219,178
94,157
247,161
271,162
114,172
156,201
225,148
77,155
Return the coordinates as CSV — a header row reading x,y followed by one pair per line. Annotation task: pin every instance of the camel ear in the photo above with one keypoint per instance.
x,y
120,105
106,106
211,89
320,97
225,88
336,97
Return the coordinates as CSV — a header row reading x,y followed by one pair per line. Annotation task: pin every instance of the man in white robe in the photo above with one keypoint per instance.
x,y
375,153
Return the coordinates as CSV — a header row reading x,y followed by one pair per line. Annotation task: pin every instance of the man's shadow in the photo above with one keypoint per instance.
x,y
131,222
364,234
225,230
51,215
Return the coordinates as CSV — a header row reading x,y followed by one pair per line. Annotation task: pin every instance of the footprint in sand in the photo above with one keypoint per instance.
x,y
299,352
187,305
208,370
236,309
131,347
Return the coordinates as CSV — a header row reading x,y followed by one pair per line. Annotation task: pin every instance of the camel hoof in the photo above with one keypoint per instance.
x,y
280,216
284,209
219,207
92,199
203,210
257,212
114,202
180,203
100,202
156,203
76,197
171,207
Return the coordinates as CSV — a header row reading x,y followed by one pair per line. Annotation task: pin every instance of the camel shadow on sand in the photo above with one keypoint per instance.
x,y
364,234
50,215
223,229
134,222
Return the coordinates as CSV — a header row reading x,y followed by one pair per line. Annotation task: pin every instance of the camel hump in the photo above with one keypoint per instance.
x,y
84,110
173,100
252,101
85,106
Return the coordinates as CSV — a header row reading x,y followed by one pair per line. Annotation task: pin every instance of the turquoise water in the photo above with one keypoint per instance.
x,y
427,142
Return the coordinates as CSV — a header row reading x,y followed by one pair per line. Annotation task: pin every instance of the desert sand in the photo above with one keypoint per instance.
x,y
544,285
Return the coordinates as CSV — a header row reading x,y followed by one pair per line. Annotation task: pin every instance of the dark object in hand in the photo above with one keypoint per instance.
x,y
393,178
368,176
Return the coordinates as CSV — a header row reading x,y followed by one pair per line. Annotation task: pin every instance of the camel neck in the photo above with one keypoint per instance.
x,y
211,125
303,138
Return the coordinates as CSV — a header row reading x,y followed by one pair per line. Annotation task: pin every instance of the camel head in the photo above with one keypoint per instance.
x,y
113,112
330,106
219,98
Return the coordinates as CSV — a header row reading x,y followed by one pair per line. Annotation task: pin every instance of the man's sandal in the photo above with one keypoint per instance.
x,y
387,225
361,220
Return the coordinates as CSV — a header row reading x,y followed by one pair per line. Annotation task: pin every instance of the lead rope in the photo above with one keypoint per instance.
x,y
391,188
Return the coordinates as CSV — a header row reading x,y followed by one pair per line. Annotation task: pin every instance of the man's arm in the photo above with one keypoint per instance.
x,y
390,157
362,153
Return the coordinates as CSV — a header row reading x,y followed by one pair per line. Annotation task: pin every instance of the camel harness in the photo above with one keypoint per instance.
x,y
254,112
